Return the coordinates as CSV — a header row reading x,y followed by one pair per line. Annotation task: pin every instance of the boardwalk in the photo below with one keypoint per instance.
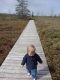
x,y
11,70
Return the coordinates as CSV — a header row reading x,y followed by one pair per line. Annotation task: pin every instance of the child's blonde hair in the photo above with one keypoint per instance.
x,y
31,48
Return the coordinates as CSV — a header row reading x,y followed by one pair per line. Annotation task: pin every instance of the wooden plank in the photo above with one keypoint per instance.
x,y
19,71
40,65
18,61
20,79
20,58
22,54
15,75
43,68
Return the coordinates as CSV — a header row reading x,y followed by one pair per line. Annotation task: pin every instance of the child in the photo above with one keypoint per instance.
x,y
31,59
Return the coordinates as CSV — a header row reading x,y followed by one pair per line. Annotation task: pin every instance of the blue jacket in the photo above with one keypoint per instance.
x,y
31,61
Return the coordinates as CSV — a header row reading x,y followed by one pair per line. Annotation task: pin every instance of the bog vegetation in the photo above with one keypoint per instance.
x,y
49,32
10,30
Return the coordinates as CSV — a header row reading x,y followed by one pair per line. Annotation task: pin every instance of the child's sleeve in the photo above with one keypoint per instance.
x,y
39,59
24,60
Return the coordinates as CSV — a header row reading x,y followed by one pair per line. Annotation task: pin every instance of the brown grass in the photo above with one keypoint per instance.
x,y
49,32
9,33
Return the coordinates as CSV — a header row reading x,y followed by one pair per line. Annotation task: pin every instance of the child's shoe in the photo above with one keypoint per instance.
x,y
34,79
28,74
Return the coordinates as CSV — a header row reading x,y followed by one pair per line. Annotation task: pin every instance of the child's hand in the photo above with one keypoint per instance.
x,y
22,66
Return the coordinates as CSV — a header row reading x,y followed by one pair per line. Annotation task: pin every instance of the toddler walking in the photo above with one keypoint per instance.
x,y
31,59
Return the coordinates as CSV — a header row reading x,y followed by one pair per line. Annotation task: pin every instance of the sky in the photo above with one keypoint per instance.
x,y
41,7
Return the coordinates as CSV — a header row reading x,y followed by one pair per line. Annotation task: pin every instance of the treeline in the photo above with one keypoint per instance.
x,y
5,16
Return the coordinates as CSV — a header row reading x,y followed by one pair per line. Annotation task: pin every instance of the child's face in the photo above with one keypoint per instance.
x,y
31,53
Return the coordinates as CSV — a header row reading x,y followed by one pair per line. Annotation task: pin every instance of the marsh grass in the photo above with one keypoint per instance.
x,y
10,31
49,31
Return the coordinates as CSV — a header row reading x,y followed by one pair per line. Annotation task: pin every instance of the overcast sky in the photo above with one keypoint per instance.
x,y
43,7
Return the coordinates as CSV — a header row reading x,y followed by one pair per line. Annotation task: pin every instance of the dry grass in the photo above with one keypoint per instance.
x,y
49,32
9,33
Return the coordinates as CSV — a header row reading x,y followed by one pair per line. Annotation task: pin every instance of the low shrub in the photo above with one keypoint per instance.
x,y
50,39
9,33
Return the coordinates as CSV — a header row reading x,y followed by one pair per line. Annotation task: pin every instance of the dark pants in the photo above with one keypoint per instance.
x,y
33,72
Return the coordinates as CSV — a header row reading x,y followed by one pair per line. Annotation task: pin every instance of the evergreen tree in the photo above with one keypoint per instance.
x,y
32,14
21,9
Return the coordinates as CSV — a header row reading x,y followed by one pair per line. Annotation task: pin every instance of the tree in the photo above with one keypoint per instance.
x,y
37,13
32,14
59,14
52,12
21,9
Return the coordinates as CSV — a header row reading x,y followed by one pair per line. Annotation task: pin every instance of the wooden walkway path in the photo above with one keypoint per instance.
x,y
11,70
